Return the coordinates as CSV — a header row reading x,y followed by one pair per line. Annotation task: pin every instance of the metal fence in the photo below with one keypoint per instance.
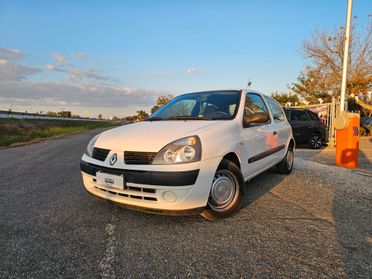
x,y
327,113
25,115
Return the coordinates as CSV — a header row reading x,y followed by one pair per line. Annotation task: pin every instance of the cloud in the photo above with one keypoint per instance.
x,y
192,71
80,55
77,75
10,54
59,58
54,68
89,88
17,89
81,75
49,93
50,67
10,72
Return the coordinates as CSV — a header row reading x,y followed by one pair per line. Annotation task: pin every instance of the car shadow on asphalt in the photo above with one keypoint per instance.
x,y
260,185
254,189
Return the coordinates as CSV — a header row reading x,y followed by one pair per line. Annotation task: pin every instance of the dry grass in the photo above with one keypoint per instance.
x,y
13,131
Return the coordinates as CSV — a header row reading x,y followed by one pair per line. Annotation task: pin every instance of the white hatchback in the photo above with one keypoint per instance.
x,y
193,155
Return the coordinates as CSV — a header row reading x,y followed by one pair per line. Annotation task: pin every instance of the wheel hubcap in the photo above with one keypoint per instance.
x,y
223,190
316,141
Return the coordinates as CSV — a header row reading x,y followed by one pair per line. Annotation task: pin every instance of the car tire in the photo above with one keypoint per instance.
x,y
226,191
315,141
285,166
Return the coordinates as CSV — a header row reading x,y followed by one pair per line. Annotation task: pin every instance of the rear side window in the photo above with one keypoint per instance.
x,y
299,115
312,115
275,108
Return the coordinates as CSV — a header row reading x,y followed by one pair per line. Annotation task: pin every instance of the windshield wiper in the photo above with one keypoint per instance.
x,y
154,119
186,117
180,117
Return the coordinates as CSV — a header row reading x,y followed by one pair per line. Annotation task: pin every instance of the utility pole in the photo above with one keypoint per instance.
x,y
347,123
346,54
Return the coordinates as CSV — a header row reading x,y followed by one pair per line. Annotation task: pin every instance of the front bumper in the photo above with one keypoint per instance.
x,y
165,178
178,192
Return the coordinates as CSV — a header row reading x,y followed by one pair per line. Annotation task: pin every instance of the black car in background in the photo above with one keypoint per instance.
x,y
306,126
366,121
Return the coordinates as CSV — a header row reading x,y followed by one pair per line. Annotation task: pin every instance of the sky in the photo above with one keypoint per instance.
x,y
116,57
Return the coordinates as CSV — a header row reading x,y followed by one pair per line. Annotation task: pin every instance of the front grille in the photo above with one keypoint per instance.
x,y
100,153
131,193
139,158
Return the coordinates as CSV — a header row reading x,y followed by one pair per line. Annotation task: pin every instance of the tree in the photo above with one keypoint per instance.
x,y
64,113
100,117
131,118
141,115
324,53
161,101
310,87
283,98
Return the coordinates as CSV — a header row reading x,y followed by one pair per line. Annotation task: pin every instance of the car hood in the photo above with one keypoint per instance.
x,y
150,136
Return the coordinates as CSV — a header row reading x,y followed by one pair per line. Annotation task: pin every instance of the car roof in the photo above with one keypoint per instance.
x,y
244,91
288,108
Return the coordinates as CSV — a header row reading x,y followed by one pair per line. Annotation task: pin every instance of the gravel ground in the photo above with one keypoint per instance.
x,y
328,155
314,223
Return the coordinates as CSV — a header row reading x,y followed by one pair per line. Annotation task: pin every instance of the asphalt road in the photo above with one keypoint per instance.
x,y
315,223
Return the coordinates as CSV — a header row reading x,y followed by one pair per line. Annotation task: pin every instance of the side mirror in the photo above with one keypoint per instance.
x,y
256,118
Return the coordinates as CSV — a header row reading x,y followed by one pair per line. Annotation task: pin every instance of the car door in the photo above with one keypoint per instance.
x,y
257,139
281,128
301,124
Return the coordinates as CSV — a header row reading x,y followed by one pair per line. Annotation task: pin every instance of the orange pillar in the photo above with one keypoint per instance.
x,y
347,142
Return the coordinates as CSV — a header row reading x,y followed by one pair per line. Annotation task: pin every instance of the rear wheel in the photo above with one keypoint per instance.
x,y
315,141
226,191
286,165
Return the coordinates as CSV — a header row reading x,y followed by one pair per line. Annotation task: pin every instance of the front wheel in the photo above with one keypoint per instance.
x,y
226,191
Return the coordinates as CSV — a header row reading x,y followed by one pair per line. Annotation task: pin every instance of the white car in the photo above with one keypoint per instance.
x,y
193,155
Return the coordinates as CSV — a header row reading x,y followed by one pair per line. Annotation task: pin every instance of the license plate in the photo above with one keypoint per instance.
x,y
110,180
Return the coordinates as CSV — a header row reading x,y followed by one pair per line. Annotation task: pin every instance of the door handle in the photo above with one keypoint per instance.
x,y
275,133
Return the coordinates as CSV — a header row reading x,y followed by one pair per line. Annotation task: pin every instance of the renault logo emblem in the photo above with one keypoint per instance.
x,y
113,159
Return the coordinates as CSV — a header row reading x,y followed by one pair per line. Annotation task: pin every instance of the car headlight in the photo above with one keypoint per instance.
x,y
90,146
185,150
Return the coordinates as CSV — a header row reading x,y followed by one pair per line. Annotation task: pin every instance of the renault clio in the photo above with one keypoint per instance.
x,y
191,156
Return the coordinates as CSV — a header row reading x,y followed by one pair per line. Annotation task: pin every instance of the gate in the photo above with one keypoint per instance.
x,y
327,113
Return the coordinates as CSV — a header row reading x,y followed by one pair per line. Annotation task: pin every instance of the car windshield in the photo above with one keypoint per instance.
x,y
213,105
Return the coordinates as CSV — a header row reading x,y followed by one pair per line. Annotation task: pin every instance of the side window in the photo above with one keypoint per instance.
x,y
299,115
313,115
253,104
275,108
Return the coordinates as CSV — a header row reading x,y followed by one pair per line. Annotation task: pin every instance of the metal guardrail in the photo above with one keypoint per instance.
x,y
24,115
